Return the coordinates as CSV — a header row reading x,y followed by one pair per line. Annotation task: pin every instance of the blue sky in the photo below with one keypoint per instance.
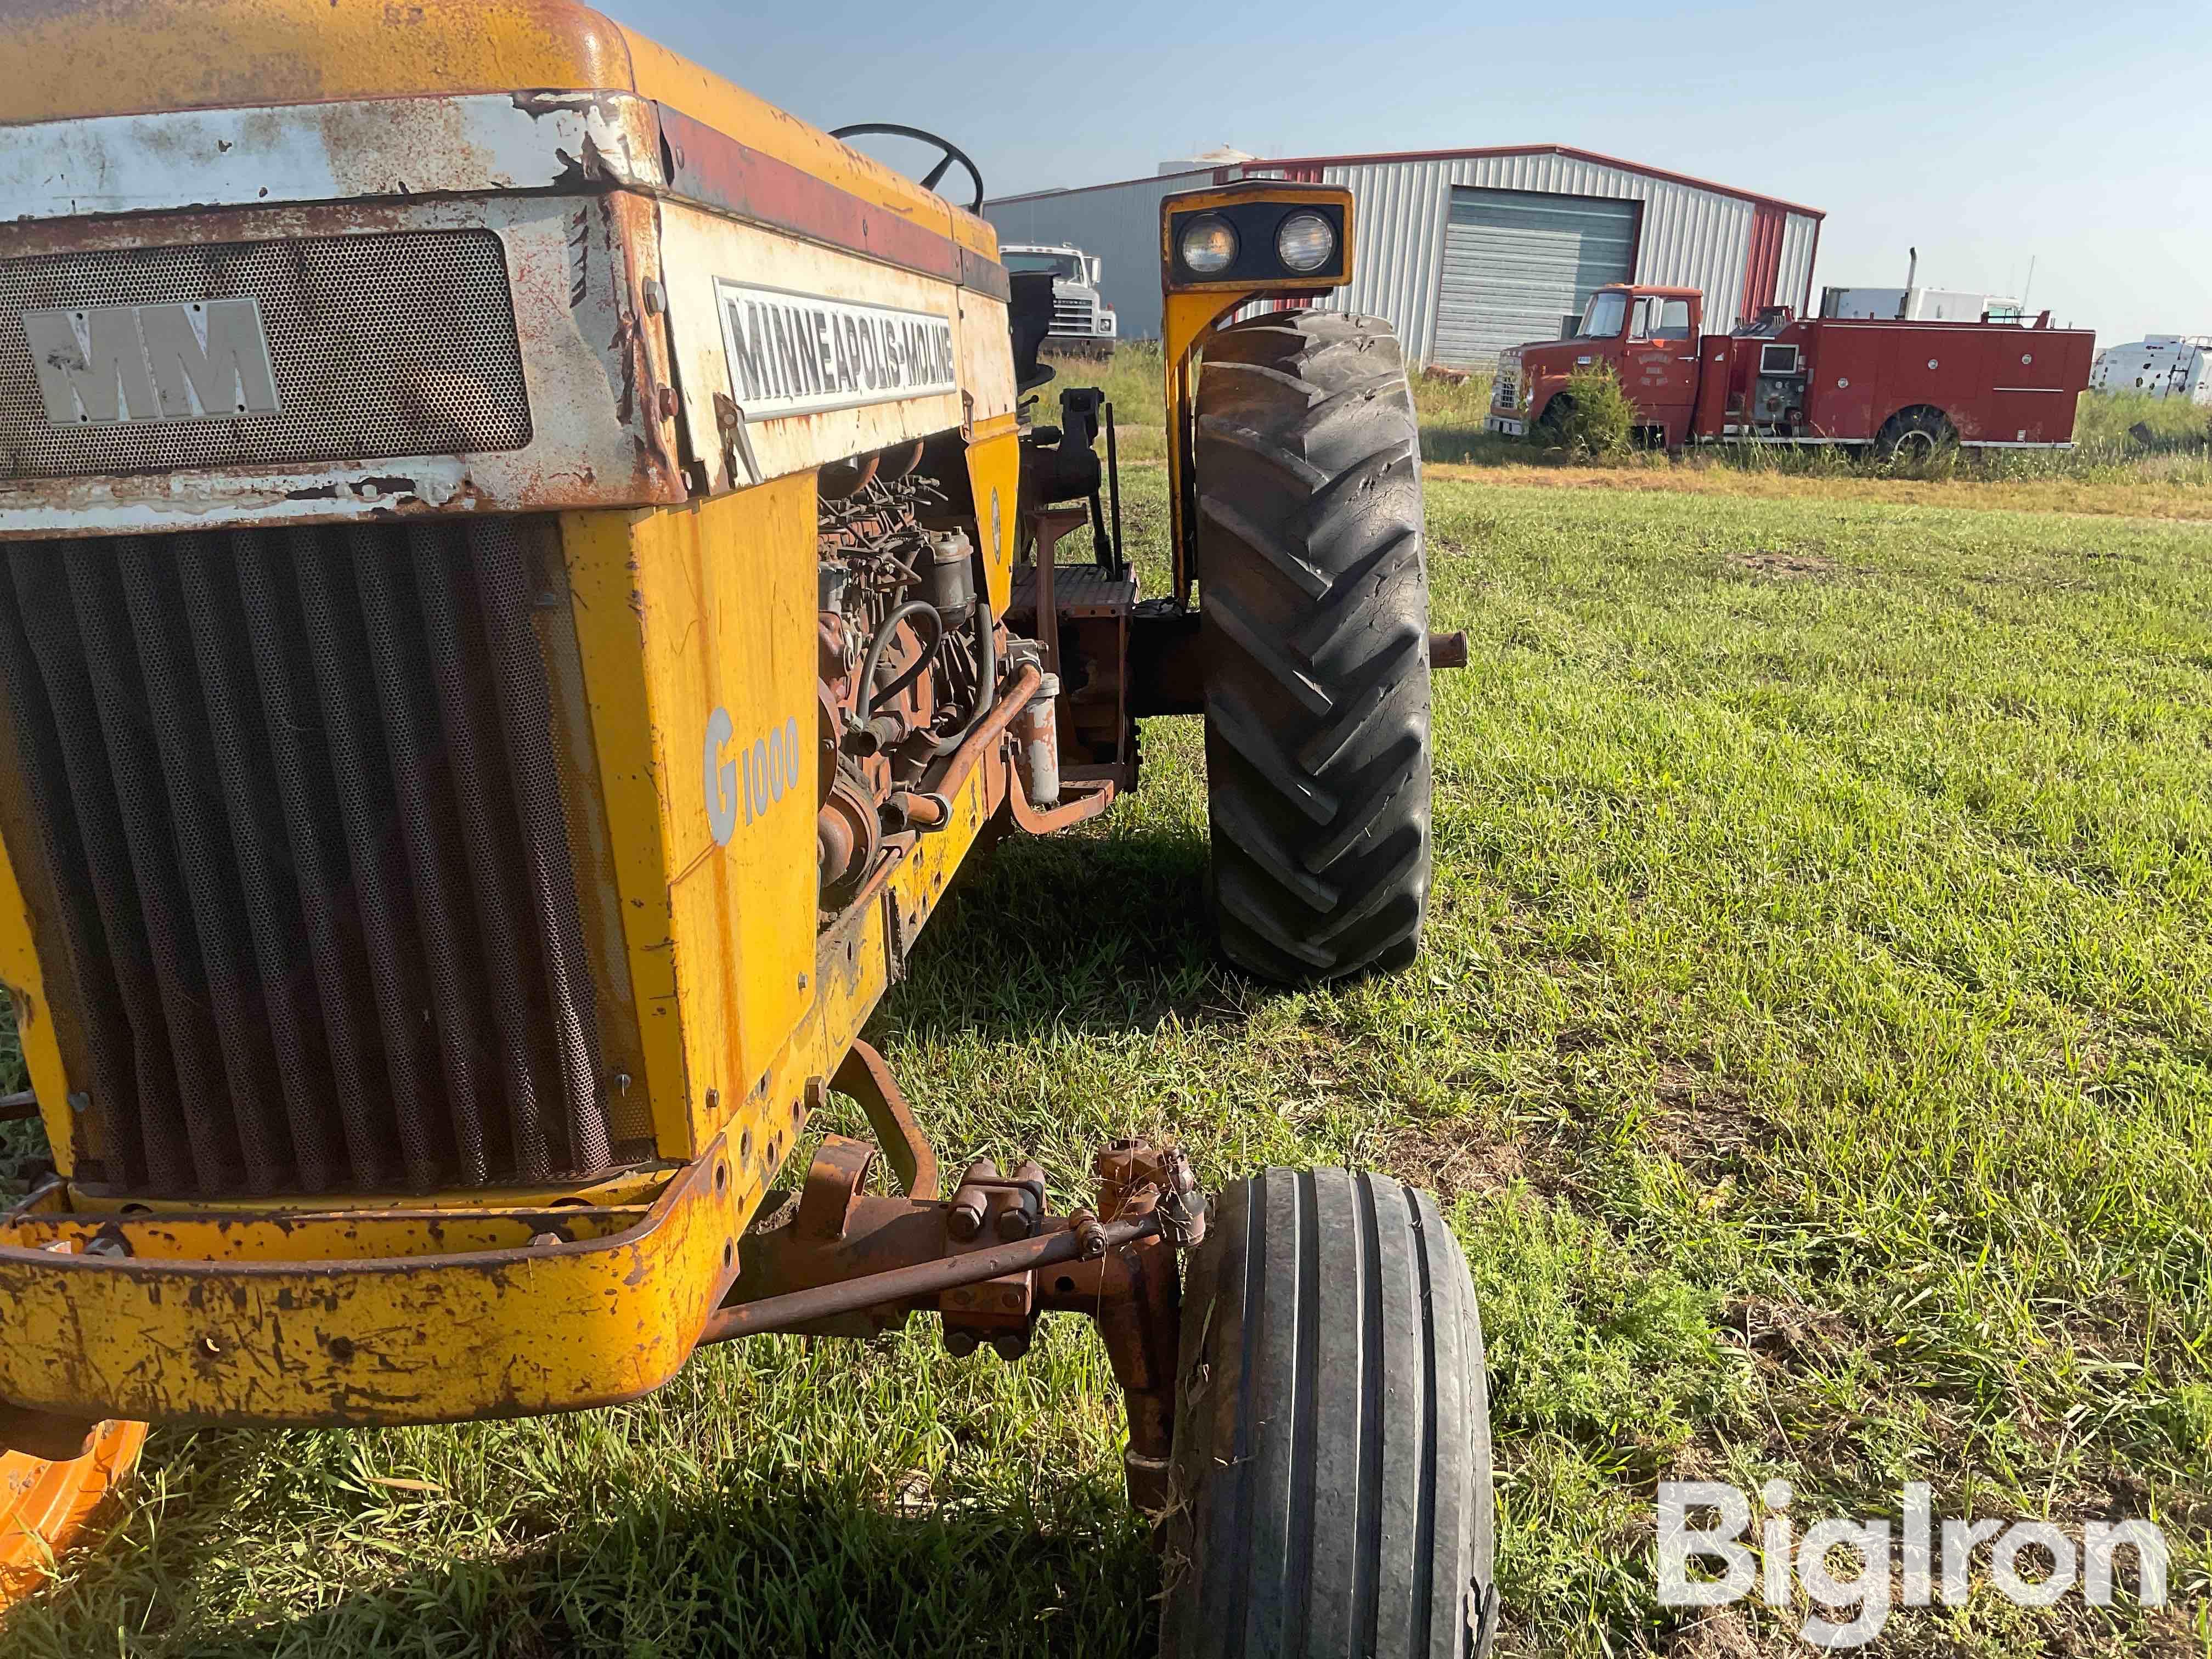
x,y
2079,135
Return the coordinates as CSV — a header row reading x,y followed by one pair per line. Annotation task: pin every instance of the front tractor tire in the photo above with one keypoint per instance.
x,y
1314,621
1331,1492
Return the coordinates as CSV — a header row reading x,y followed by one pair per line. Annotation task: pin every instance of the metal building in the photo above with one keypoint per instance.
x,y
1469,252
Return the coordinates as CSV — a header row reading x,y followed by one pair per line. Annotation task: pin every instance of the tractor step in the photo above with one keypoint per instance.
x,y
1079,615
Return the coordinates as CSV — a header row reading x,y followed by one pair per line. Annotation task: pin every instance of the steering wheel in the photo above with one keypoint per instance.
x,y
952,153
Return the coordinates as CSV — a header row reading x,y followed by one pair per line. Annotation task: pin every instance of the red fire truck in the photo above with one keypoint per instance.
x,y
1902,387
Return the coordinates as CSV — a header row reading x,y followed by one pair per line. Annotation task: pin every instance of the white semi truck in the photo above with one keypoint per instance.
x,y
1080,318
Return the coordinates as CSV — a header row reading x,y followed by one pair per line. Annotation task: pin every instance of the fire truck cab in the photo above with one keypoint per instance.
x,y
1896,387
1650,337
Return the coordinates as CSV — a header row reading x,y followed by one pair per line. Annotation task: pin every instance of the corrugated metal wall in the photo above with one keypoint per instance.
x,y
1698,238
1801,234
1695,237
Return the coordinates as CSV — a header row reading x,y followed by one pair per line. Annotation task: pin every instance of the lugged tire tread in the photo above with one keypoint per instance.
x,y
1261,844
1258,443
1390,889
1381,569
1314,610
1228,617
1391,668
1239,903
1227,717
1312,581
1352,830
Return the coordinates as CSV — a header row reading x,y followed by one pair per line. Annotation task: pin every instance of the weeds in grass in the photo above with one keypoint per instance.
x,y
1591,418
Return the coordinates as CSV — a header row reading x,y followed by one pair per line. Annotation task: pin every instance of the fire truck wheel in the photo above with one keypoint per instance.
x,y
1314,623
1914,434
1332,1490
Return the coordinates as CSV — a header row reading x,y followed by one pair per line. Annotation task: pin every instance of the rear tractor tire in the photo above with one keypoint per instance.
x,y
1314,621
1331,1489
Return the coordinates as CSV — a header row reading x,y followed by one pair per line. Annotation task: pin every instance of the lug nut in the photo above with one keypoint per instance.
x,y
963,1217
1019,1219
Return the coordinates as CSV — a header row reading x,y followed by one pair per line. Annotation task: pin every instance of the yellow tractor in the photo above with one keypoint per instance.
x,y
469,481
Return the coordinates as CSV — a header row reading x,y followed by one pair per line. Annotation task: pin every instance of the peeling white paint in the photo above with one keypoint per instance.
x,y
350,151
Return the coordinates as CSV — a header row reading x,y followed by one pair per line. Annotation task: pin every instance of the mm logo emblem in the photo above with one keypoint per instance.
x,y
202,360
770,771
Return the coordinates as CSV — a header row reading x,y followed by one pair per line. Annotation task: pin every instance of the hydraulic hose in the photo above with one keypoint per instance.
x,y
986,678
914,670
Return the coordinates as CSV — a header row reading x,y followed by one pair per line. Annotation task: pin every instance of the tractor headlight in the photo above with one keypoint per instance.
x,y
1209,245
1305,242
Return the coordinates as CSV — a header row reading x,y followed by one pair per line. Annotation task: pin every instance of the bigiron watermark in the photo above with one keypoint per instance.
x,y
2032,1563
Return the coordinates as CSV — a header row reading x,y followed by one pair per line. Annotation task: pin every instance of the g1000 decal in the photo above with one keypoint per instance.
x,y
746,784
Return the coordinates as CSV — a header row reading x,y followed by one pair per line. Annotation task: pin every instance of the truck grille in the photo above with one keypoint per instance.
x,y
379,346
1072,316
289,801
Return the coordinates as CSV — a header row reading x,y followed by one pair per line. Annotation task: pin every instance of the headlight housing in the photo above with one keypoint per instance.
x,y
1305,242
1284,236
1209,245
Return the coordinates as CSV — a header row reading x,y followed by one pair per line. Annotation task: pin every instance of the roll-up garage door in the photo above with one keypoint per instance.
x,y
1516,262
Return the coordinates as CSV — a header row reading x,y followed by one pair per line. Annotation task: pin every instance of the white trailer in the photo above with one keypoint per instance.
x,y
1919,305
2163,365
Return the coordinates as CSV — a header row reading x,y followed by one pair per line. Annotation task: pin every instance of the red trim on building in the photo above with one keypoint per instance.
x,y
1762,269
1310,166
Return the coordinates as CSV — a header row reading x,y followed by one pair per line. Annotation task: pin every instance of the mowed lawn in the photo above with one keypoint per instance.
x,y
1813,1051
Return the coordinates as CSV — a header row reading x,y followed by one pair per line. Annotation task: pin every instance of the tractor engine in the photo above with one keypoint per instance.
x,y
909,657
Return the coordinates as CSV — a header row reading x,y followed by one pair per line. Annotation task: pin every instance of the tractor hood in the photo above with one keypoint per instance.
x,y
80,60
130,56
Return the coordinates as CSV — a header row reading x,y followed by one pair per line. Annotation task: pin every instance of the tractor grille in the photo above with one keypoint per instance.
x,y
403,344
304,839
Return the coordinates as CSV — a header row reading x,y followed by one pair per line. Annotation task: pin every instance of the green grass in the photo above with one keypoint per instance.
x,y
1813,1050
